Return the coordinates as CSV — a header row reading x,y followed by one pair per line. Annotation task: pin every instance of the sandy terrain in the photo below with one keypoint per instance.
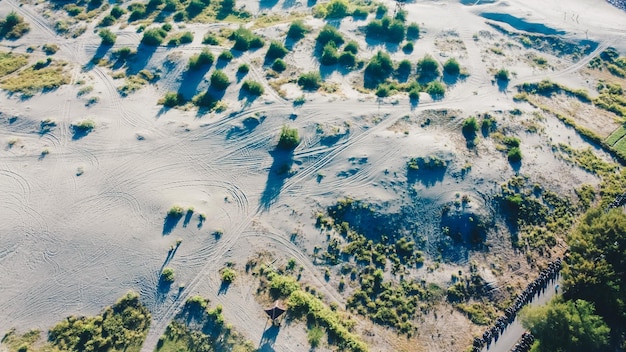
x,y
83,224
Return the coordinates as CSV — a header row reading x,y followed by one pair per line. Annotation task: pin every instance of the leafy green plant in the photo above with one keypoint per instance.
x,y
167,275
172,99
228,275
436,89
219,80
329,34
289,138
279,65
428,68
253,88
153,37
108,37
197,61
310,80
297,30
244,39
225,55
276,50
452,67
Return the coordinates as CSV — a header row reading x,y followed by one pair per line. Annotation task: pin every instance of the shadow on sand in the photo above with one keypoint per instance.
x,y
278,173
170,222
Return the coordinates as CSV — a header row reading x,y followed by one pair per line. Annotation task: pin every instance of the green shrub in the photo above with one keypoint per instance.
x,y
310,80
167,275
219,80
107,21
117,11
452,67
228,275
289,138
404,68
351,47
382,91
297,30
205,58
153,37
186,37
502,75
176,211
50,49
210,39
514,155
329,54
381,10
243,69
172,99
279,65
470,126
414,94
347,59
314,335
436,89
413,31
244,39
428,67
225,55
336,9
380,66
329,34
121,327
108,37
276,51
408,48
387,29
253,88
13,26
166,27
124,52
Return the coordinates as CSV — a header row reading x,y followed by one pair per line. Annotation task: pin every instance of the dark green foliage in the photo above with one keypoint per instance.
x,y
205,100
428,68
205,58
408,48
225,55
279,65
404,68
351,47
436,89
137,11
244,39
382,91
514,155
452,67
253,88
289,138
108,37
426,163
566,326
381,10
386,29
414,95
310,80
276,51
172,99
210,39
117,11
195,7
219,80
297,30
107,21
413,31
124,53
329,54
243,69
329,34
400,15
337,9
186,37
502,75
166,27
596,268
470,126
167,275
13,26
120,327
379,67
153,37
347,59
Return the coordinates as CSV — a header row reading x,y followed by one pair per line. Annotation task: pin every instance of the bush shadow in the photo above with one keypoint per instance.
x,y
278,173
141,59
170,222
428,178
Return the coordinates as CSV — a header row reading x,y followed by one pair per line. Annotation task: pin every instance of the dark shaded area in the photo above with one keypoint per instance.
x,y
191,81
449,79
224,286
620,4
141,59
170,223
368,219
188,216
278,173
464,227
248,125
521,24
428,177
269,338
79,132
503,84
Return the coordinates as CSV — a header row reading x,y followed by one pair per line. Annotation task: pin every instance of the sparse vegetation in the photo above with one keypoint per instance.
x,y
34,79
244,39
108,37
153,37
167,276
219,80
11,62
297,30
228,275
310,80
253,88
204,59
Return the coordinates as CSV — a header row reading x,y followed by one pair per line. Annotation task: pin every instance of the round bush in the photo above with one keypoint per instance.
x,y
514,155
253,88
279,65
219,80
289,138
225,55
297,30
153,37
428,67
108,37
243,69
502,75
452,67
310,80
436,89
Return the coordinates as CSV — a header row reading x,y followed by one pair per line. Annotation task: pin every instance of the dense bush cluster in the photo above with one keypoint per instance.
x,y
120,327
253,88
244,39
386,29
203,59
153,36
13,26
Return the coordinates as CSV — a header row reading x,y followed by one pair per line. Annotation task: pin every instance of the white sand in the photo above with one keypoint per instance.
x,y
74,244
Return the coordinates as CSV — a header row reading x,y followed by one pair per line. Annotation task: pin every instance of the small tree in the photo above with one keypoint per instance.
x,y
413,31
219,80
310,80
297,30
172,99
436,89
205,58
253,88
329,34
428,67
167,275
153,37
276,50
228,275
289,138
514,155
502,75
452,67
279,65
108,37
329,54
